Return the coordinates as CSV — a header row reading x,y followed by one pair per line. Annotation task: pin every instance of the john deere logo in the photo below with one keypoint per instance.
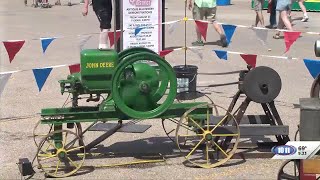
x,y
284,150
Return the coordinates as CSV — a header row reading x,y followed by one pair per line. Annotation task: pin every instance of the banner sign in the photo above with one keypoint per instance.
x,y
143,18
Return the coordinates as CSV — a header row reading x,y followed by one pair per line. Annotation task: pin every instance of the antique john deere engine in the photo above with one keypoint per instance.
x,y
133,87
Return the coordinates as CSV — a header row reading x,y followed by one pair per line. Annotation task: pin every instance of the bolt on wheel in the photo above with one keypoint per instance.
x,y
58,156
203,147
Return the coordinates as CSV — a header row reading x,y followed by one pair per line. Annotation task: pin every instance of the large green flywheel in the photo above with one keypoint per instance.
x,y
137,87
133,50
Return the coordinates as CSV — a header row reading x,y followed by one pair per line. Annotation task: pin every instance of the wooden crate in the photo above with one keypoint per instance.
x,y
311,166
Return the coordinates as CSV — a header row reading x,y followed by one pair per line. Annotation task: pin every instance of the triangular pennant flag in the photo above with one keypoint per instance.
x,y
172,27
313,67
45,42
229,31
196,51
13,47
137,30
111,37
221,54
290,38
165,52
41,76
262,35
202,27
251,59
3,81
75,68
83,41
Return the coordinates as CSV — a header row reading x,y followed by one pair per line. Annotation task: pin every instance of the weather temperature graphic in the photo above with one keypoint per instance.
x,y
296,150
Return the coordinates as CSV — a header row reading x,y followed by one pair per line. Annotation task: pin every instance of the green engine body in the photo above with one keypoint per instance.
x,y
96,69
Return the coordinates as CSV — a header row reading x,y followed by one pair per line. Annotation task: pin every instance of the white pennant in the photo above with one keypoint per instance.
x,y
196,51
3,81
262,35
83,41
172,27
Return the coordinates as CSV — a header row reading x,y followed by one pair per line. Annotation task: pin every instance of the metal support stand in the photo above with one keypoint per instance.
x,y
103,137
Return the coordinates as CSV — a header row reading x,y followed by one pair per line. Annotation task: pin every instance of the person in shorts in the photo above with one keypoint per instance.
x,y
258,9
103,10
206,9
284,7
273,14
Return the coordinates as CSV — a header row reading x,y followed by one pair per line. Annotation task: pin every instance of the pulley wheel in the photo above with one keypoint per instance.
x,y
262,84
317,48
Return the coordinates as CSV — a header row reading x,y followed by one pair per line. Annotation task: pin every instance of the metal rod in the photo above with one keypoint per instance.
x,y
115,24
224,84
222,73
185,34
103,137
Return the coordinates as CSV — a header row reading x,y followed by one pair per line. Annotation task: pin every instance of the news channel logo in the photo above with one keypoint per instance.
x,y
296,150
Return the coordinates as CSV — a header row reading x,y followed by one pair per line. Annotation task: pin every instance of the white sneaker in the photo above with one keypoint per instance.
x,y
305,19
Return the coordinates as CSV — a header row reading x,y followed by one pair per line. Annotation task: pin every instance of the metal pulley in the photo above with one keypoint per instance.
x,y
261,84
317,48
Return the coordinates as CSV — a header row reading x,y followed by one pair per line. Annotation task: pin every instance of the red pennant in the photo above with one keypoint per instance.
x,y
290,38
251,59
13,47
111,37
202,26
74,68
165,52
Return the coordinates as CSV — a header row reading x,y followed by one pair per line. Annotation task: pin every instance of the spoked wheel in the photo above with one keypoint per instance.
x,y
40,132
169,125
202,147
58,155
289,170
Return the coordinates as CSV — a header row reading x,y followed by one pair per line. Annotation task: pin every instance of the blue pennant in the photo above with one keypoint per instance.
x,y
221,54
137,30
313,66
45,42
41,76
229,31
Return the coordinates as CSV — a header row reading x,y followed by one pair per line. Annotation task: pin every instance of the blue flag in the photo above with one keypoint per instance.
x,y
221,54
45,42
313,66
229,31
41,76
137,30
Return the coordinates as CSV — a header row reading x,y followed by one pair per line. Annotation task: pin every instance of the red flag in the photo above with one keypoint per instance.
x,y
251,59
202,26
165,52
111,37
290,38
75,68
13,47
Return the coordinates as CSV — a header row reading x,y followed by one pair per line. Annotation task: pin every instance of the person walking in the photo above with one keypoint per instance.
x,y
305,17
304,10
273,14
284,7
258,9
206,9
103,11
